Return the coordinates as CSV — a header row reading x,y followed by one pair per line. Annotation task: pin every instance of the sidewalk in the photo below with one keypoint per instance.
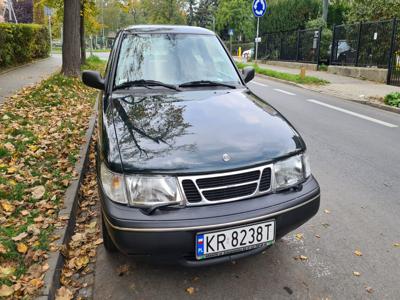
x,y
342,86
15,79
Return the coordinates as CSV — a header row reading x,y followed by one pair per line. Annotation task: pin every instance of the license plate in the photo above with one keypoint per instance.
x,y
238,239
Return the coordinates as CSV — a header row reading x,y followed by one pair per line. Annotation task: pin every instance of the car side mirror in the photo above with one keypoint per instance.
x,y
93,79
248,74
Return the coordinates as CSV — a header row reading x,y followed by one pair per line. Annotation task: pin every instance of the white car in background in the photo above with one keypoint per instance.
x,y
248,54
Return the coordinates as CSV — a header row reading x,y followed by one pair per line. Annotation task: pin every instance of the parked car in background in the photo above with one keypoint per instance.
x,y
345,53
248,54
191,165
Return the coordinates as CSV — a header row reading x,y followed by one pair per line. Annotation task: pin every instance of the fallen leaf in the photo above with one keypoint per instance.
x,y
358,253
317,236
10,147
81,262
20,237
22,248
355,273
98,242
299,236
7,206
122,270
397,245
190,290
11,170
369,289
327,211
6,291
38,192
6,271
64,294
301,257
3,249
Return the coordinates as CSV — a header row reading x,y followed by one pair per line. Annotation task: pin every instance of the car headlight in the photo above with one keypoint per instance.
x,y
149,191
292,171
113,185
140,190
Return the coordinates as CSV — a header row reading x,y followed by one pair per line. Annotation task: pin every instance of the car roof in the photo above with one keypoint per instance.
x,y
168,29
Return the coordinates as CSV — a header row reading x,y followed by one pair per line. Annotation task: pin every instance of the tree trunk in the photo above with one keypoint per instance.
x,y
325,9
71,58
82,32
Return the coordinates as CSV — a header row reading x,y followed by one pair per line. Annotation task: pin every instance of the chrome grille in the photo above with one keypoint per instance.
x,y
226,187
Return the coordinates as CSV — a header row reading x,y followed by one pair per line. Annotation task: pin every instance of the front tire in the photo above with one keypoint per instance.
x,y
108,243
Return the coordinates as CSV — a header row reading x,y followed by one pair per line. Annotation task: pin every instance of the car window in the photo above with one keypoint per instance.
x,y
174,59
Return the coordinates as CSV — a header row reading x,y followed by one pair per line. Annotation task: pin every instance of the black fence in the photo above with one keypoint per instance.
x,y
394,63
362,45
295,45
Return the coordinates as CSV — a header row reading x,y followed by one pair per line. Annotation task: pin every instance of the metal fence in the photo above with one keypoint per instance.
x,y
294,45
234,48
394,63
362,45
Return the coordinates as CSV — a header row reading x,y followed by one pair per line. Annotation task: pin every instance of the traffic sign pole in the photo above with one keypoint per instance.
x,y
259,10
258,32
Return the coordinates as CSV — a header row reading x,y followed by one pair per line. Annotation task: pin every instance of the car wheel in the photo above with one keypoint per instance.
x,y
108,243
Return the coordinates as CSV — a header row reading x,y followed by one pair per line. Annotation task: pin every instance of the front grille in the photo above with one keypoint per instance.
x,y
206,183
265,182
191,192
233,192
231,186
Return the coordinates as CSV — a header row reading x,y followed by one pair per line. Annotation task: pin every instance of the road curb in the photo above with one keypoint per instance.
x,y
365,102
56,259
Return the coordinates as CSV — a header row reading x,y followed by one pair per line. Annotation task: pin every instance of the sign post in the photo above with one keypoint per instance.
x,y
230,33
259,10
49,12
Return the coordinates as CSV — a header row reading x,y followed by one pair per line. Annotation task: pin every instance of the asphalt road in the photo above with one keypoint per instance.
x,y
354,153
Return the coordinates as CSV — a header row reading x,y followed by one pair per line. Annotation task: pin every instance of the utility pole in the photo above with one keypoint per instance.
x,y
325,9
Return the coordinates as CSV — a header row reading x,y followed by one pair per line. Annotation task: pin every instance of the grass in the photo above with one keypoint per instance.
x,y
393,99
284,76
40,137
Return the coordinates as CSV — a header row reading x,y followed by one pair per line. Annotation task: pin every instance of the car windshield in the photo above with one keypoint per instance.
x,y
174,59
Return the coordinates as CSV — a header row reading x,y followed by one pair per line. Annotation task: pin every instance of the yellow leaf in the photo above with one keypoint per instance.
x,y
358,253
303,257
11,170
33,148
6,291
299,236
397,245
190,290
81,262
6,272
22,248
7,206
355,273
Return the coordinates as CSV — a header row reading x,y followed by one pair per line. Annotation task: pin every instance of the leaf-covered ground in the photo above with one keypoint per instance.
x,y
41,132
77,276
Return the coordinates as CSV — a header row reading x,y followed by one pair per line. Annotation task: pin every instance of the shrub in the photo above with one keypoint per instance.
x,y
393,99
21,43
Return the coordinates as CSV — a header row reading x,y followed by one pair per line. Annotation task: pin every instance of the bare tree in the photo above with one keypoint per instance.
x,y
71,56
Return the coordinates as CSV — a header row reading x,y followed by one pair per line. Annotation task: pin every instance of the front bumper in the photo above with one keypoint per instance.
x,y
169,235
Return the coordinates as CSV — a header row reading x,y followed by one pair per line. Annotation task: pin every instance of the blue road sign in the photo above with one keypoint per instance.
x,y
259,8
48,11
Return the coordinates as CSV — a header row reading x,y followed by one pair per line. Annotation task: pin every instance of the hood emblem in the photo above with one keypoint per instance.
x,y
226,157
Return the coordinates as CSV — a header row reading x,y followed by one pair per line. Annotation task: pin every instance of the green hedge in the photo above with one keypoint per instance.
x,y
21,43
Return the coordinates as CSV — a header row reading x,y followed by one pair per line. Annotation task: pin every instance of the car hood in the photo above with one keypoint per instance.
x,y
189,132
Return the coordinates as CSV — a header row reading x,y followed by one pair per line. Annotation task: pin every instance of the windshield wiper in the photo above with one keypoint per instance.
x,y
206,83
143,82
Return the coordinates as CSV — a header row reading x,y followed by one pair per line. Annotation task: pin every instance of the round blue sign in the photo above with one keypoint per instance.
x,y
259,8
